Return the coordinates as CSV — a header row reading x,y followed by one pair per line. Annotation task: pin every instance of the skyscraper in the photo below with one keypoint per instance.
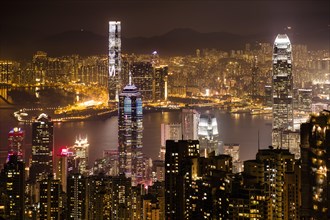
x,y
190,119
42,148
142,76
208,135
130,133
282,91
315,170
114,84
80,149
160,82
15,141
76,194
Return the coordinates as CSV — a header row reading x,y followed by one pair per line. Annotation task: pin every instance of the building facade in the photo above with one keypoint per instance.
x,y
114,80
130,133
282,90
42,148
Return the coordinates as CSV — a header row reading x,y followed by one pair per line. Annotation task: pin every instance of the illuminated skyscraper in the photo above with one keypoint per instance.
x,y
208,135
63,167
130,133
159,85
142,76
282,91
114,85
42,148
76,194
15,141
80,149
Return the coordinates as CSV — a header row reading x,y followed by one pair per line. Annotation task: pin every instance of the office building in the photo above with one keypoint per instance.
x,y
114,77
159,85
16,142
208,135
282,91
42,148
190,119
142,76
130,133
80,151
63,165
315,157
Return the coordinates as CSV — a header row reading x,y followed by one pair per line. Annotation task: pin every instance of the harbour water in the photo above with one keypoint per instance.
x,y
102,134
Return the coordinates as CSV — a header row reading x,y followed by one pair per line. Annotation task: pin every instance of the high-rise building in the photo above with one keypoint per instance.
x,y
130,133
50,198
190,119
80,150
208,135
12,178
76,197
42,148
142,76
62,167
114,79
177,176
315,170
15,141
282,91
168,132
160,82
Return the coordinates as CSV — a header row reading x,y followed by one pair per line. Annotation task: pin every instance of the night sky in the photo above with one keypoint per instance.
x,y
150,18
147,18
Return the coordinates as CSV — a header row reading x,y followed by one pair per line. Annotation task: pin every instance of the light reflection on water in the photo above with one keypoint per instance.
x,y
102,134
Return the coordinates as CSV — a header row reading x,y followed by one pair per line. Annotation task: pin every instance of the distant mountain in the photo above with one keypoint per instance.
x,y
180,41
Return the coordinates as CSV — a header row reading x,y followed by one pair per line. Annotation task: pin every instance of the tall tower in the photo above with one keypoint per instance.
x,y
15,141
282,92
190,119
130,132
42,148
114,80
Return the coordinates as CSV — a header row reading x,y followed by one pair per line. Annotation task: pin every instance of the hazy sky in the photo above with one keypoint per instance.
x,y
149,18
